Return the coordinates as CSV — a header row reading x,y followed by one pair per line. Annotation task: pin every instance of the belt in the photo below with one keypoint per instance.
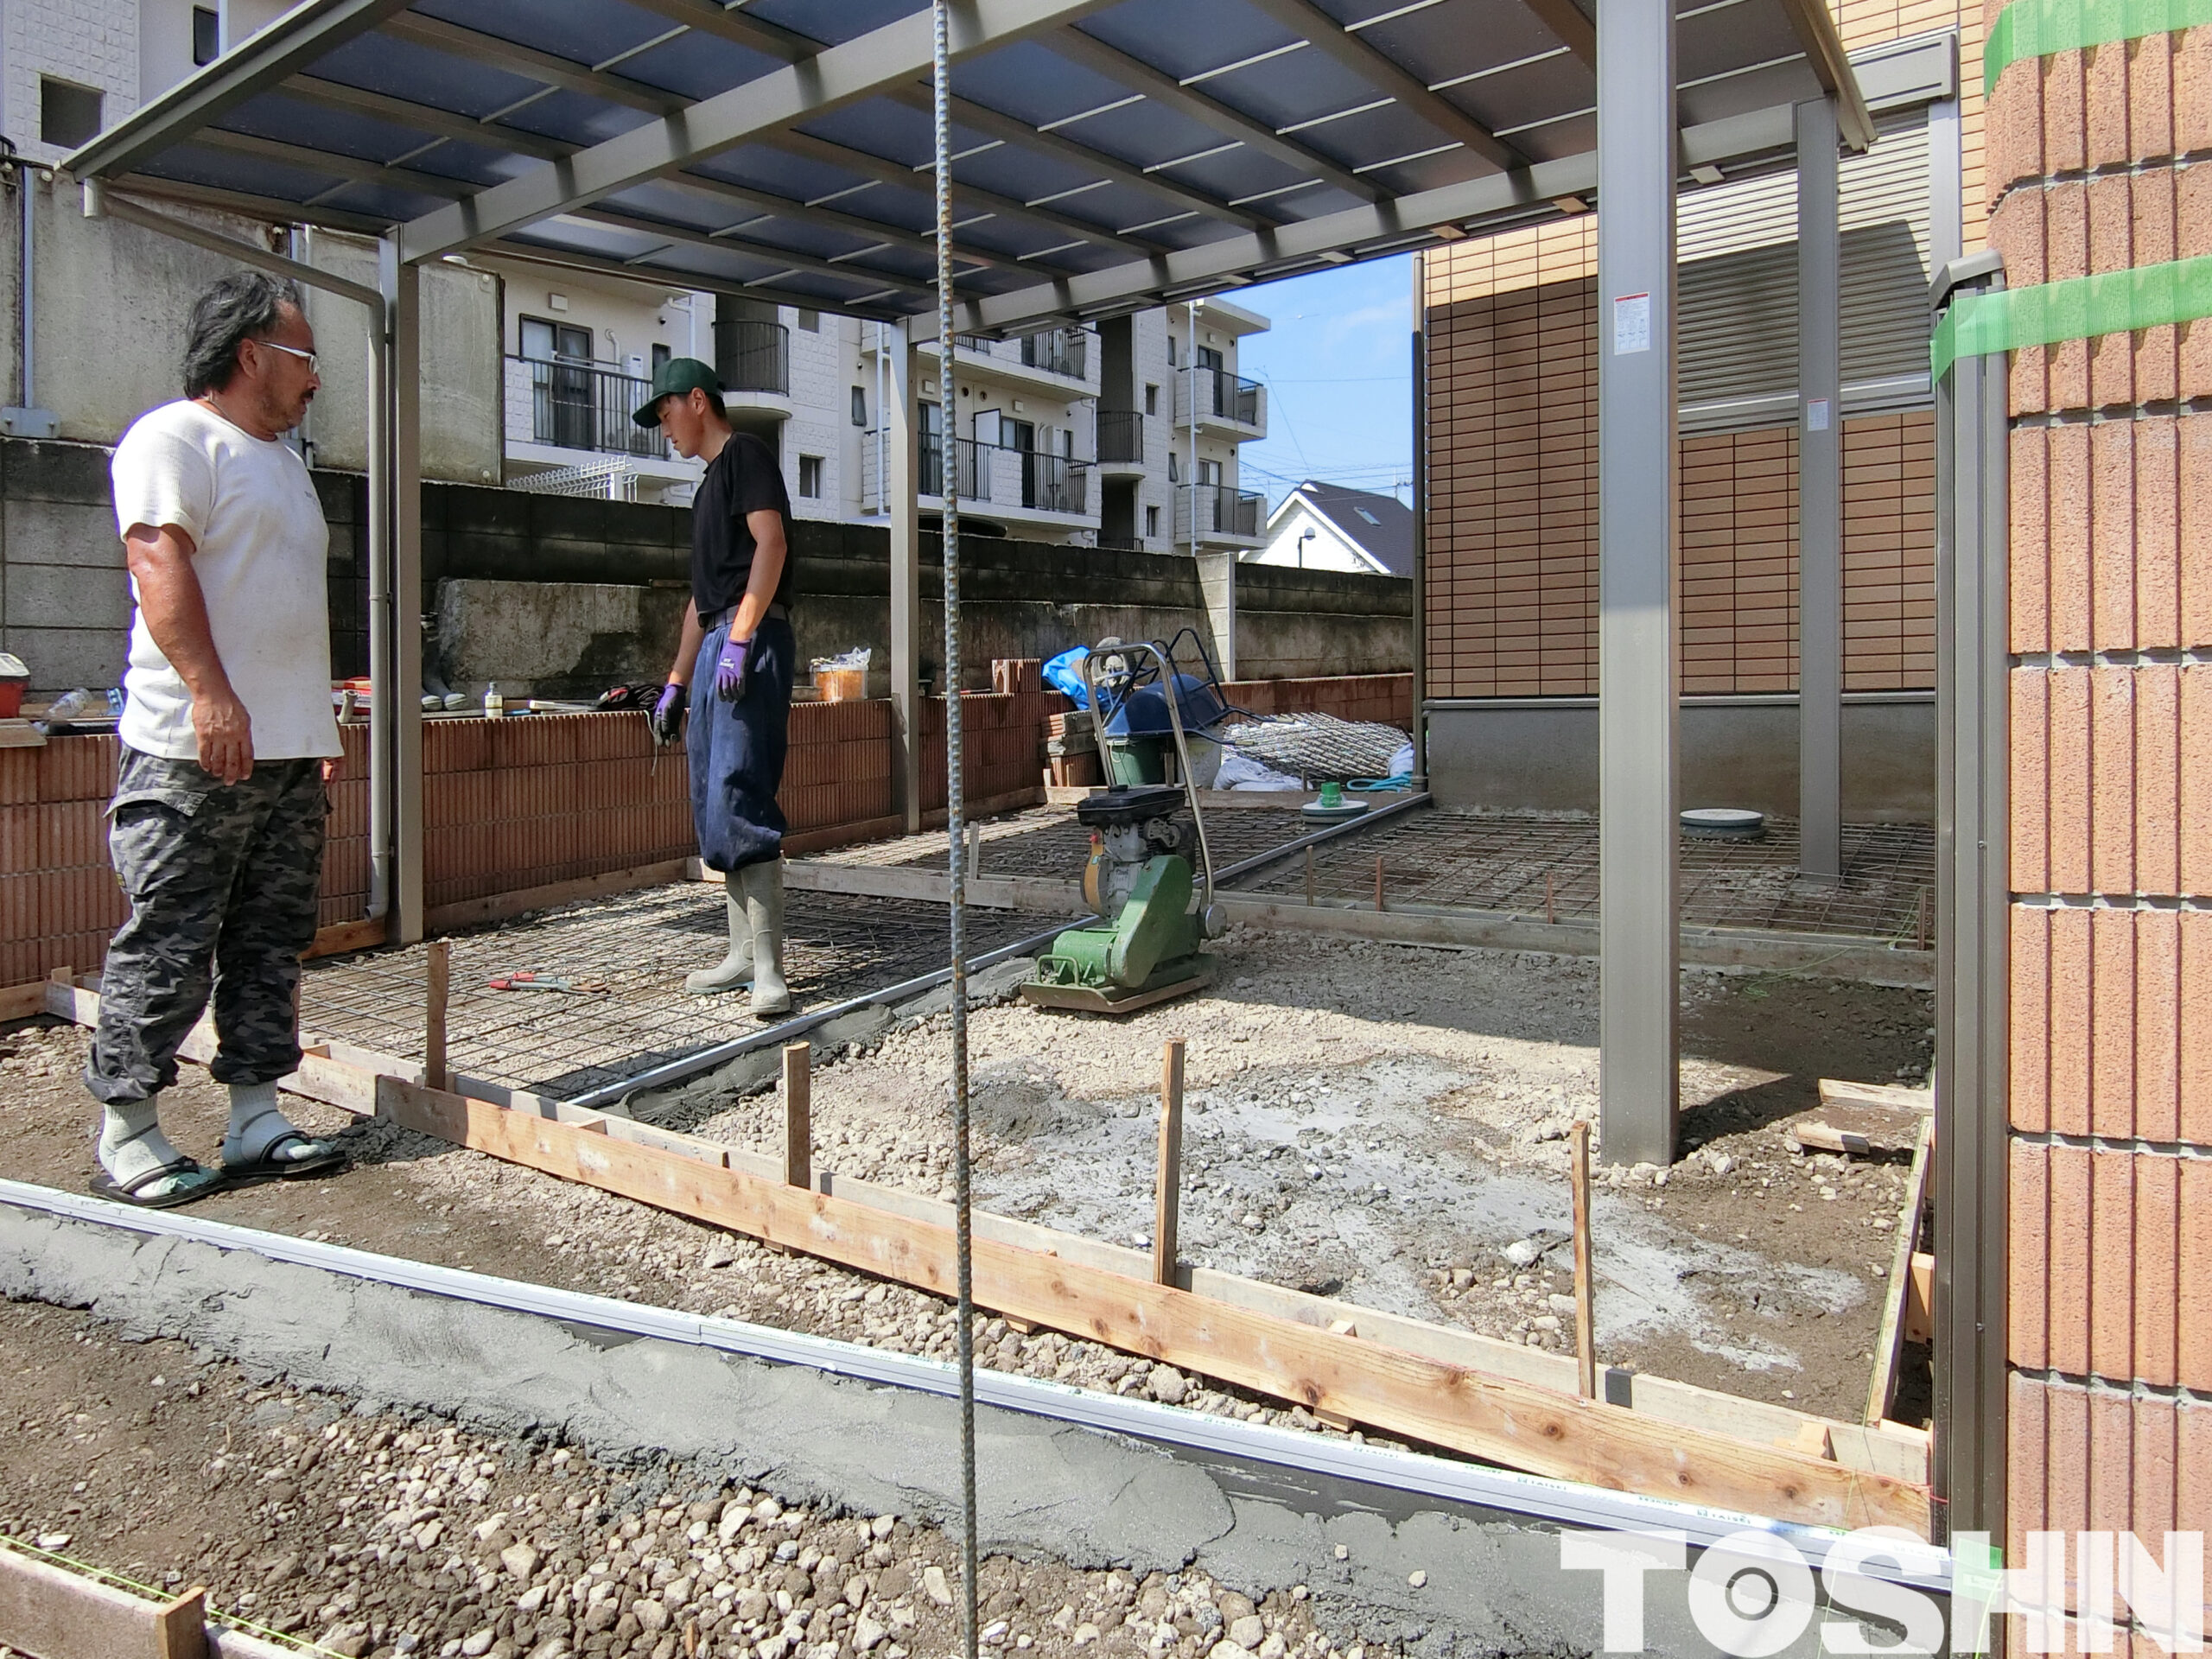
x,y
776,612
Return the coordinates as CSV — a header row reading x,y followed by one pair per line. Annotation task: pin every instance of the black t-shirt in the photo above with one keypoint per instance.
x,y
744,478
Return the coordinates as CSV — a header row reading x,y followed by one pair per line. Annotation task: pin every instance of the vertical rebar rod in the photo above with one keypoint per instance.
x,y
955,813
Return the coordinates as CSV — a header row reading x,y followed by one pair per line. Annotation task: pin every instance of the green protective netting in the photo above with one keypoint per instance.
x,y
2113,302
2036,29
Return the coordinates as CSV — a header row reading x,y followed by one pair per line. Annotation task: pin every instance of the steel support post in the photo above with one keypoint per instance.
x,y
400,283
1419,263
901,485
1638,1088
1973,921
1820,497
383,747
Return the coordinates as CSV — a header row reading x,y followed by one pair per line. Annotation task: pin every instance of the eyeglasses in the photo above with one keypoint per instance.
x,y
308,357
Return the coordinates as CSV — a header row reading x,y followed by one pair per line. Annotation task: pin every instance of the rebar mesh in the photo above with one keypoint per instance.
x,y
1541,868
640,945
1047,840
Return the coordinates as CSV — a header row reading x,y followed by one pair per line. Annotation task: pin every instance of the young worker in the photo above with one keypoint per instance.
x,y
735,658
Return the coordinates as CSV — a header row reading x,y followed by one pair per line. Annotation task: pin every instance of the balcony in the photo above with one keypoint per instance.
x,y
1120,441
973,478
753,357
1227,517
1226,403
1058,351
566,404
1016,486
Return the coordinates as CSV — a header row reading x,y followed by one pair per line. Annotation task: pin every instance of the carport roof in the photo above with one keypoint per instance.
x,y
1110,154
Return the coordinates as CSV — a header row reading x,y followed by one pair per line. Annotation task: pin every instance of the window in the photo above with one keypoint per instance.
x,y
1210,472
1171,350
1174,467
809,476
810,322
68,114
661,356
1370,516
859,405
207,35
1152,522
1152,400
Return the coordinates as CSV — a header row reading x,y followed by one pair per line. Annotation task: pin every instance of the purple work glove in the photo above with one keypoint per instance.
x,y
667,717
730,666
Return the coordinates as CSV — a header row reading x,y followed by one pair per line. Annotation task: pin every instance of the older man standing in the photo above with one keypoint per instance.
x,y
217,826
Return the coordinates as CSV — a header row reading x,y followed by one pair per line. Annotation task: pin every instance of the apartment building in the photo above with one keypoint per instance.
x,y
1124,433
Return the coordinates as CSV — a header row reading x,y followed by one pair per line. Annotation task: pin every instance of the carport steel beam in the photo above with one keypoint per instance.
x,y
878,61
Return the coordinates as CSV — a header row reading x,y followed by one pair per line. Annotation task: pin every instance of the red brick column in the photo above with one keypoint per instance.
x,y
2090,170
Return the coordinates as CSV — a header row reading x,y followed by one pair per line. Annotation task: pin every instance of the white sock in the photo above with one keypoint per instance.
x,y
256,1124
132,1141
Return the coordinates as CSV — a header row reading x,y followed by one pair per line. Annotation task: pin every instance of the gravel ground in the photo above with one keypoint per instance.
x,y
1382,1123
327,1521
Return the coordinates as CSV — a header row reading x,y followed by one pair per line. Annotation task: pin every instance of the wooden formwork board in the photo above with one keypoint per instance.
x,y
1889,1342
48,1611
1422,1381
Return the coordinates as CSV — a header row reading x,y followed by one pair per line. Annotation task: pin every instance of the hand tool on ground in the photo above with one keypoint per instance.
x,y
545,982
1146,946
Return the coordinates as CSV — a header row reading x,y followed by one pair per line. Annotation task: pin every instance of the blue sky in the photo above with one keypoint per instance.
x,y
1337,366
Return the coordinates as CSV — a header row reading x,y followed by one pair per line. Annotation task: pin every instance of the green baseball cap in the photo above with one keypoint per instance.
x,y
679,378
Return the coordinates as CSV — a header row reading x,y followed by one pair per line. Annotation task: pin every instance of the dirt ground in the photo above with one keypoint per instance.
x,y
369,1534
1383,1123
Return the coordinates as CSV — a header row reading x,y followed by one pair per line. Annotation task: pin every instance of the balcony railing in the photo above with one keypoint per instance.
x,y
1222,512
990,474
1121,435
1057,351
1221,397
974,477
752,356
1054,483
575,406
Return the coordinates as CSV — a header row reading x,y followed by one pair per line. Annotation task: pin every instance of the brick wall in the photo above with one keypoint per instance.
x,y
1513,507
2110,738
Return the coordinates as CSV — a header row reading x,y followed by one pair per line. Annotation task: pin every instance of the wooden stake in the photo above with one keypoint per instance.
x,y
1378,881
798,1115
439,981
181,1628
1167,1199
1551,916
1585,1327
1309,875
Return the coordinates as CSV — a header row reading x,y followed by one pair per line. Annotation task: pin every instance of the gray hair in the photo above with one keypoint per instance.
x,y
245,305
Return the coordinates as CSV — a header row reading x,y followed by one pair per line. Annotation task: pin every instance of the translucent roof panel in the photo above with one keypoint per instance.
x,y
1106,153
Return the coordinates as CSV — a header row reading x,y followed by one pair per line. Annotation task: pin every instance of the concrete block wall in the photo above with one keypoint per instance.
x,y
59,900
2110,1327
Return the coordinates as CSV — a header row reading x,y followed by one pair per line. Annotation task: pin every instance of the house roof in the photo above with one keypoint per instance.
x,y
1113,154
1382,525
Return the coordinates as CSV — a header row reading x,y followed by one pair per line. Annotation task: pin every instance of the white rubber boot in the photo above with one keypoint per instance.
x,y
764,909
735,969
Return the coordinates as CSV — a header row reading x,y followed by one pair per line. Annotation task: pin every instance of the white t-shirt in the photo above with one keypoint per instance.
x,y
250,509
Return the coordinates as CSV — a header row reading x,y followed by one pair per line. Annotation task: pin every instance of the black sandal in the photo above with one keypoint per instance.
x,y
269,1166
132,1192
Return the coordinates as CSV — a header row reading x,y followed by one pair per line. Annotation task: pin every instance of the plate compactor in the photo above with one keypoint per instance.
x,y
1141,877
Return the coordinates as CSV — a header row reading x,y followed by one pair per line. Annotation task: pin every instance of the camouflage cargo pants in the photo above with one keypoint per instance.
x,y
222,880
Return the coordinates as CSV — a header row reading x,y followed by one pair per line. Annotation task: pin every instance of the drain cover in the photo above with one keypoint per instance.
x,y
1724,823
